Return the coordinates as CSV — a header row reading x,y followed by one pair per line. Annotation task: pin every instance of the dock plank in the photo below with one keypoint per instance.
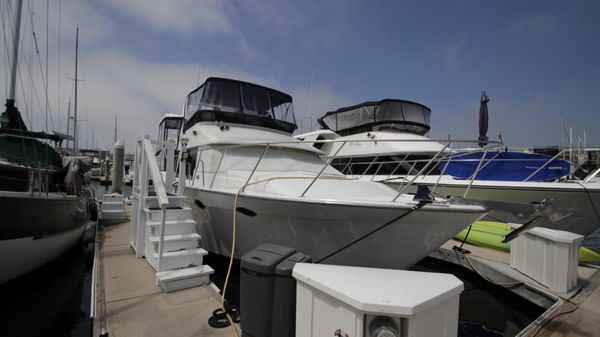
x,y
581,307
137,307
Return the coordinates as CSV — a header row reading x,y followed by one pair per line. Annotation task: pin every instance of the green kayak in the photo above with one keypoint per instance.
x,y
490,234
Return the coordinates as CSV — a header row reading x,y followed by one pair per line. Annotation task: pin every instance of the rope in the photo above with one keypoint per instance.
x,y
216,319
517,284
414,208
504,285
233,240
551,318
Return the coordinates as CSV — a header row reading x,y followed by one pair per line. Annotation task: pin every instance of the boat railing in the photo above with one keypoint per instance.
x,y
427,168
37,181
544,165
147,169
406,168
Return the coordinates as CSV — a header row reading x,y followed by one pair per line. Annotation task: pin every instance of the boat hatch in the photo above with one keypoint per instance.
x,y
233,101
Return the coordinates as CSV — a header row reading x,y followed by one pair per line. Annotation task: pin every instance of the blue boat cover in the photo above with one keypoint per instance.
x,y
504,166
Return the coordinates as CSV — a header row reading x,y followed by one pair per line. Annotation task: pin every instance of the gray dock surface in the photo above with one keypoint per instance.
x,y
576,313
130,304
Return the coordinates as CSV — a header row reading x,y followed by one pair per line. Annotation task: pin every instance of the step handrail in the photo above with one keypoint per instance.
x,y
146,165
157,180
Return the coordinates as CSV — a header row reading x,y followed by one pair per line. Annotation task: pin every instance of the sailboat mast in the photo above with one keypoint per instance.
x,y
15,51
75,144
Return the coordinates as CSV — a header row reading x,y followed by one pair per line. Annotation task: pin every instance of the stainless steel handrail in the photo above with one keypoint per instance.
x,y
422,170
323,169
545,164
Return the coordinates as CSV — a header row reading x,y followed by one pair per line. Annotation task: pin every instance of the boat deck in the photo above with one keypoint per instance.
x,y
576,313
129,303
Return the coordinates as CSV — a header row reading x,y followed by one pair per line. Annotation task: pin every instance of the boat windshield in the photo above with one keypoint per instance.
x,y
394,115
235,101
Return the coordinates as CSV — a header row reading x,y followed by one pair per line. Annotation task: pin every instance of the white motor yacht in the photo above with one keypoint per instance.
x,y
386,141
242,156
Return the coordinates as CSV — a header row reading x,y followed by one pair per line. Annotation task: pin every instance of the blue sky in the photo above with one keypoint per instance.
x,y
537,60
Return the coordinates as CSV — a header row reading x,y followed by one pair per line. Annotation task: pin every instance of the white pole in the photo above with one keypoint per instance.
x,y
182,166
170,158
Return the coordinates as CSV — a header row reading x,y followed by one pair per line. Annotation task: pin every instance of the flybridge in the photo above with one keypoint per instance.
x,y
226,100
387,114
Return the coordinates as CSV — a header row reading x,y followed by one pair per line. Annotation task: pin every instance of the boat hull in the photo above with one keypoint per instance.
x,y
580,202
320,227
38,229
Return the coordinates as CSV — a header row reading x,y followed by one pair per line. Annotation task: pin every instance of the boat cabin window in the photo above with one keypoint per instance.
x,y
170,127
239,102
392,115
221,96
383,165
256,101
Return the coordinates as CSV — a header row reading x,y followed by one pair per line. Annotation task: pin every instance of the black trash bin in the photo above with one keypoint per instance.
x,y
284,297
257,285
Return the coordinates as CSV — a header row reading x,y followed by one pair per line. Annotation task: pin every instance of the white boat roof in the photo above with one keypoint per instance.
x,y
241,134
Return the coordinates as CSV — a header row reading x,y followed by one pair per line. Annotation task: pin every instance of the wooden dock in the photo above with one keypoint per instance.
x,y
127,301
576,313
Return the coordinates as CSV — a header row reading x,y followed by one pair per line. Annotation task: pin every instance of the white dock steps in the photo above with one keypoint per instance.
x,y
179,259
112,207
175,237
173,280
175,242
182,253
112,214
172,222
177,213
172,226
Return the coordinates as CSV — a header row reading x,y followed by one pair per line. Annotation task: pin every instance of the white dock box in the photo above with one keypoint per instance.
x,y
548,256
368,302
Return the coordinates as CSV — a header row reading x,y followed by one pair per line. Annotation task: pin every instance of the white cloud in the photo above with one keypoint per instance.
x,y
183,16
534,23
138,92
450,54
312,104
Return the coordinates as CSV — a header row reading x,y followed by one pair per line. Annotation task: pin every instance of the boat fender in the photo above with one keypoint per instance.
x,y
93,208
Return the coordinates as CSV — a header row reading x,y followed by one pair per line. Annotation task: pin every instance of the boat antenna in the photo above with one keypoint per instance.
x,y
312,77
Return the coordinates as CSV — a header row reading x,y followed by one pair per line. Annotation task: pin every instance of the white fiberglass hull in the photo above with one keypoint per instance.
x,y
578,200
22,255
320,227
36,229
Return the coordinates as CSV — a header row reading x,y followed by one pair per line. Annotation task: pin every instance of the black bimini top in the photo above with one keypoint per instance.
x,y
387,114
226,100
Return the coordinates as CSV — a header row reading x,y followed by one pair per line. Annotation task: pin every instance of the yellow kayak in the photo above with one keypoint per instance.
x,y
490,234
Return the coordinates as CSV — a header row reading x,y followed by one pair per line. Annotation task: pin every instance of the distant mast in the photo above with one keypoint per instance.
x,y
11,118
75,141
15,53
